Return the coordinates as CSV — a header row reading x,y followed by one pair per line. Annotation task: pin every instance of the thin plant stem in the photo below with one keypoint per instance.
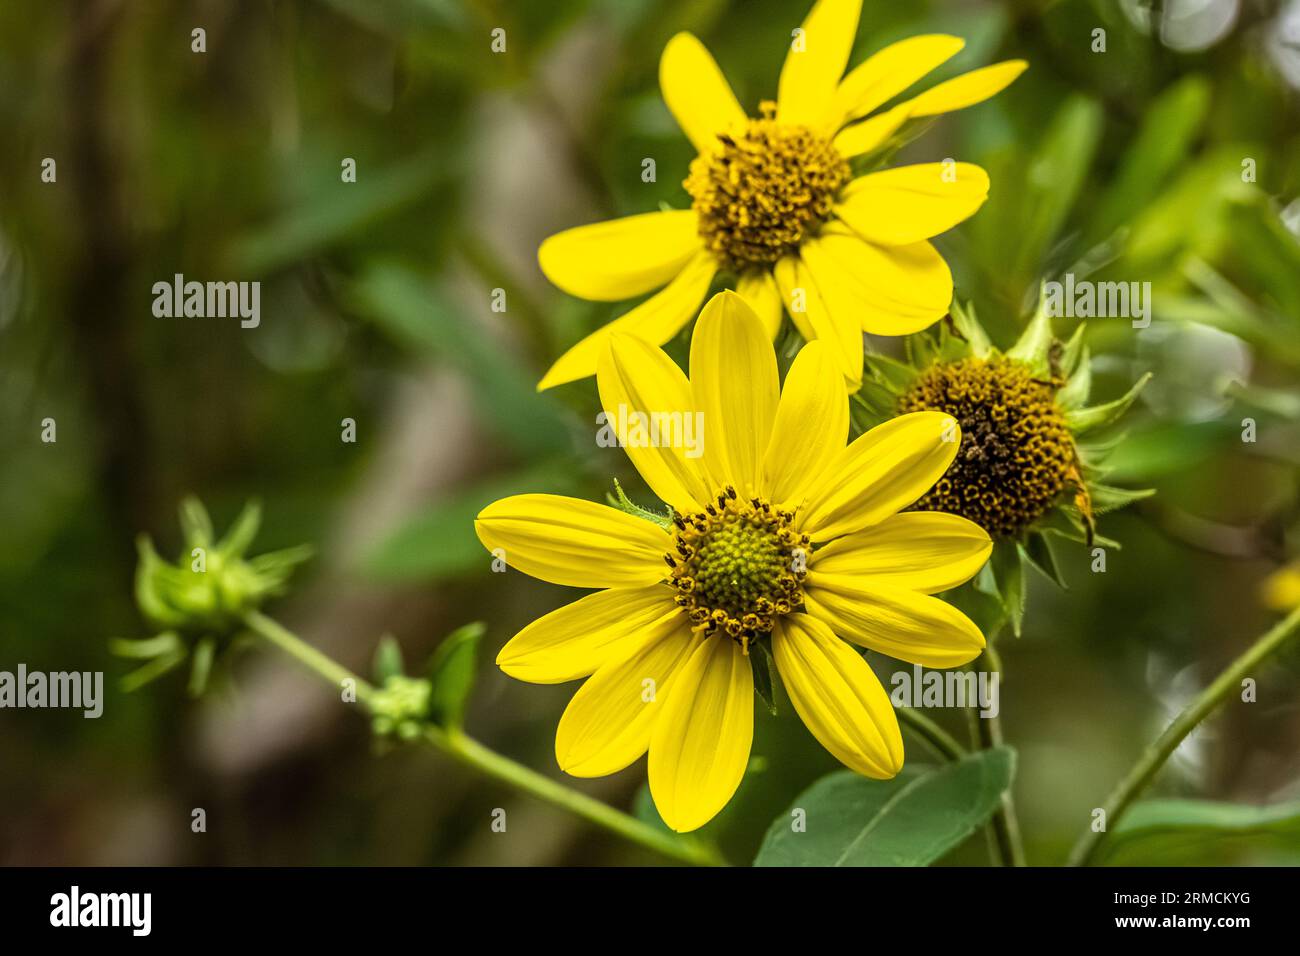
x,y
471,753
943,744
1159,751
1005,823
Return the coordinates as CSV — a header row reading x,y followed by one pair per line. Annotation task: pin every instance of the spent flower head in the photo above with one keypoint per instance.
x,y
1030,466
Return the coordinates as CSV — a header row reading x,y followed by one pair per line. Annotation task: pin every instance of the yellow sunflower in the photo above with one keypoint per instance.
x,y
777,533
776,205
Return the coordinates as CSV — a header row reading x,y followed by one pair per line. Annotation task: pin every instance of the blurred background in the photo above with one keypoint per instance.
x,y
1172,157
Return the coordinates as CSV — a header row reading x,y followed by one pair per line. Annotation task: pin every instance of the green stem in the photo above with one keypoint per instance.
x,y
473,754
1156,753
944,744
1005,824
470,752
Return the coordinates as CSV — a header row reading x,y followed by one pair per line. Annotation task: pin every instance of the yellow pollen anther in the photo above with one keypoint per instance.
x,y
764,190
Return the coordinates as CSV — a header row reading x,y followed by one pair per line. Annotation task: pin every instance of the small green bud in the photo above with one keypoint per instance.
x,y
211,587
200,602
401,706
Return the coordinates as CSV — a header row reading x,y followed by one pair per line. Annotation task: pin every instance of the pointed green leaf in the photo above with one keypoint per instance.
x,y
1038,551
1106,498
760,661
388,660
1075,392
451,673
1085,419
911,820
196,525
1009,573
895,375
968,326
243,531
1073,351
1035,341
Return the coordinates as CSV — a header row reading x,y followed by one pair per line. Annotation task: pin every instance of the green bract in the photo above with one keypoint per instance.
x,y
1031,467
199,603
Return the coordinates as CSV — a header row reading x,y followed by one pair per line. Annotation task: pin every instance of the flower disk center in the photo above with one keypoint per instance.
x,y
737,566
764,191
1016,452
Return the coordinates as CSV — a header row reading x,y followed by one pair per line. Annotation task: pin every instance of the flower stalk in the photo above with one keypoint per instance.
x,y
1004,826
471,753
1153,758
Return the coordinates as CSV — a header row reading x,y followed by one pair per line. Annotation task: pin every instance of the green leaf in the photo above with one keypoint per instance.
x,y
969,328
1055,177
1085,419
241,534
1106,498
1162,826
1161,147
1160,449
1076,389
333,212
388,660
196,525
1038,552
911,820
760,661
1035,342
451,673
1009,573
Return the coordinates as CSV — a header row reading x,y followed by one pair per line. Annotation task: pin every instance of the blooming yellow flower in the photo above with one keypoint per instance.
x,y
776,205
778,533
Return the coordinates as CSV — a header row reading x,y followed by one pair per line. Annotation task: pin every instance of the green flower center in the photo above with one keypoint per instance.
x,y
765,190
737,566
1016,454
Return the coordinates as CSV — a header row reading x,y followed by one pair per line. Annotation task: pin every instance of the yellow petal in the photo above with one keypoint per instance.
x,y
736,388
863,137
889,72
574,640
926,551
700,744
882,472
697,93
890,290
647,402
622,258
912,627
574,542
608,723
838,697
812,425
816,61
656,320
903,205
815,317
967,89
758,288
